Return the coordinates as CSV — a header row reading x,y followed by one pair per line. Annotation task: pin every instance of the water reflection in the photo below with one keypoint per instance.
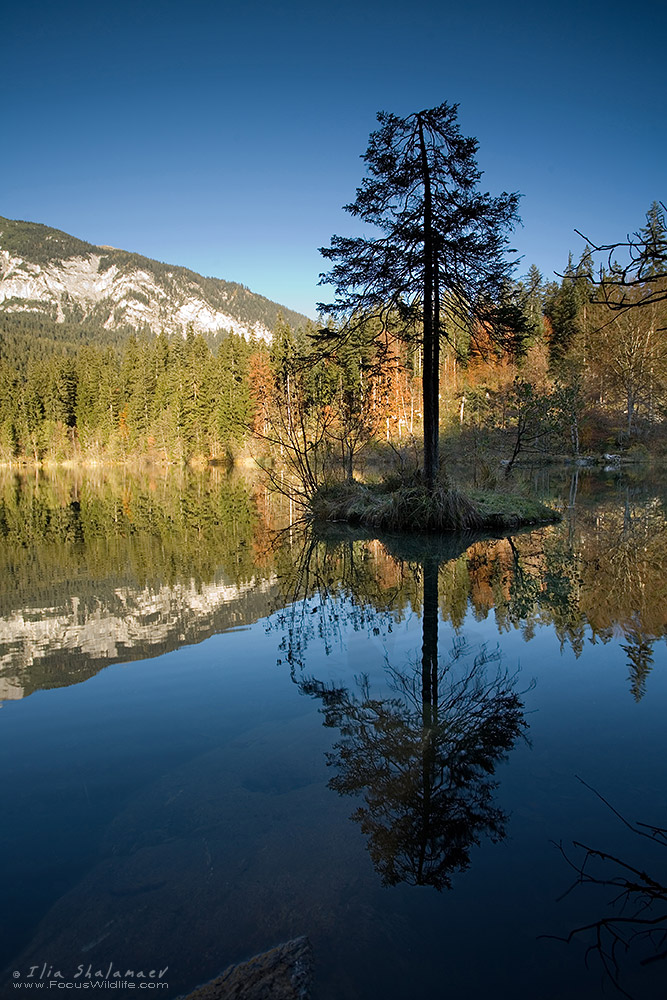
x,y
424,762
632,928
422,755
181,808
599,576
101,567
106,567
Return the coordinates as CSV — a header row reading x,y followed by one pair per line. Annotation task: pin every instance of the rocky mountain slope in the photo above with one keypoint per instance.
x,y
49,274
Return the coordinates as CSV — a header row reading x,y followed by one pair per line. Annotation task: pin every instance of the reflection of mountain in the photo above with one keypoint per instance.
x,y
94,571
58,646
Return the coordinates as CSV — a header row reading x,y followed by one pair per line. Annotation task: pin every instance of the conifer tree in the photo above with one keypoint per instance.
x,y
233,410
534,299
564,305
654,237
442,245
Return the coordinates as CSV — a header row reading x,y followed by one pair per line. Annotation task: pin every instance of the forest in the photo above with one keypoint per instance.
x,y
587,376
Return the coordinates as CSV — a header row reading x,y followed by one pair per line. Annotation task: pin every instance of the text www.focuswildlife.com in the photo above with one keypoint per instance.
x,y
89,986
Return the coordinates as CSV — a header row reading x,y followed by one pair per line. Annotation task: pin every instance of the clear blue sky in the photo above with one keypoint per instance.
x,y
226,137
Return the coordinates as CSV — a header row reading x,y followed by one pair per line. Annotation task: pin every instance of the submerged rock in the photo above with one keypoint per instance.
x,y
283,973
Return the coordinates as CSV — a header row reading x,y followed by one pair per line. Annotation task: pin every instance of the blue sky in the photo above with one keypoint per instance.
x,y
226,137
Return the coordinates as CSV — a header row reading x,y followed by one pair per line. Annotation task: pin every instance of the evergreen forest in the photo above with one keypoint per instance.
x,y
586,376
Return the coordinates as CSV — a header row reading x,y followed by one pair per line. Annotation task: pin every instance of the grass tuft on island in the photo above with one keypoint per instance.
x,y
408,505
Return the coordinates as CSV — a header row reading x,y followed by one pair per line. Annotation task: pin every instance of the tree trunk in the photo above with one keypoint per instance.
x,y
435,387
631,409
430,370
431,568
429,698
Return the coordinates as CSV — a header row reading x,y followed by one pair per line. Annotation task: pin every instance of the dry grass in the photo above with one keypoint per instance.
x,y
408,505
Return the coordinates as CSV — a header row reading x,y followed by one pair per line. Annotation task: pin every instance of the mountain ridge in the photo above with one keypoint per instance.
x,y
50,274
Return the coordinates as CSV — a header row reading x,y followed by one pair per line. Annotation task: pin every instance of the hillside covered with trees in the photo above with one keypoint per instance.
x,y
587,375
59,292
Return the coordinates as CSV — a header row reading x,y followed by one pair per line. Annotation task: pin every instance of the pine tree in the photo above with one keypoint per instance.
x,y
534,302
233,411
198,392
564,306
654,237
442,245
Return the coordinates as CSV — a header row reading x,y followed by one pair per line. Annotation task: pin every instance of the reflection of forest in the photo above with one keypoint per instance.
x,y
107,567
420,745
602,576
597,576
95,555
166,528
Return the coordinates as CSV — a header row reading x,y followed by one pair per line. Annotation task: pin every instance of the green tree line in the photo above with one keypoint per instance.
x,y
173,399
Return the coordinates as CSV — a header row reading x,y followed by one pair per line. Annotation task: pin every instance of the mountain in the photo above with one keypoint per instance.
x,y
62,288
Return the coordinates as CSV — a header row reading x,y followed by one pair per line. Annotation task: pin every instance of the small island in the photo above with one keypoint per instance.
x,y
410,505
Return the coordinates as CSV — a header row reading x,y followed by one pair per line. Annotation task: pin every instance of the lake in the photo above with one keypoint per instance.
x,y
220,732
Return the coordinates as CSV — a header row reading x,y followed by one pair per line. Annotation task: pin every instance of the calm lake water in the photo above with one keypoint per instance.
x,y
215,739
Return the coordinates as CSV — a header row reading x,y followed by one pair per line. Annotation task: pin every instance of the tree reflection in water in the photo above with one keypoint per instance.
x,y
633,927
423,757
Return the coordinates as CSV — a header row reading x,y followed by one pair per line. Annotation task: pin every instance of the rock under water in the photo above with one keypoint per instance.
x,y
283,973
